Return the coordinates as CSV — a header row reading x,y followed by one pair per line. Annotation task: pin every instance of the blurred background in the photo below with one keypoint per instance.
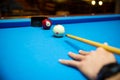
x,y
18,8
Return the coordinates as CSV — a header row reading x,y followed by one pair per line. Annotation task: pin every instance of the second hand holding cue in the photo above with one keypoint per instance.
x,y
109,48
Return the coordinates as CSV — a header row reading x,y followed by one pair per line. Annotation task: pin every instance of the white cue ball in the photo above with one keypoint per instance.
x,y
58,30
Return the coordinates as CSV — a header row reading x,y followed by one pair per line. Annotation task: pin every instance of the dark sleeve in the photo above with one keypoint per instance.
x,y
108,71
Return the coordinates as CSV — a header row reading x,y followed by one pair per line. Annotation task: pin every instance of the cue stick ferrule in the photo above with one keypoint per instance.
x,y
109,48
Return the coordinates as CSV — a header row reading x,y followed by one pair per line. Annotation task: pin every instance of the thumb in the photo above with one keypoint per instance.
x,y
105,43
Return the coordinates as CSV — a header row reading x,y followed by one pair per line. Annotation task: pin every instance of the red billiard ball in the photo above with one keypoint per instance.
x,y
46,24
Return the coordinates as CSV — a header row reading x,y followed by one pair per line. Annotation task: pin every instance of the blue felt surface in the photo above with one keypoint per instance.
x,y
84,19
31,53
13,23
24,22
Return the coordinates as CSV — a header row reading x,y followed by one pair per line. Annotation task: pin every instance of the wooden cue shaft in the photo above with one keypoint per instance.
x,y
109,48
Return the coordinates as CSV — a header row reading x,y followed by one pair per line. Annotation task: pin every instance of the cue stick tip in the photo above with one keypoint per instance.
x,y
66,34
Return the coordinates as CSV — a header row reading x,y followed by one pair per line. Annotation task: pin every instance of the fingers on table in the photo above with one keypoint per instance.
x,y
83,52
69,62
76,56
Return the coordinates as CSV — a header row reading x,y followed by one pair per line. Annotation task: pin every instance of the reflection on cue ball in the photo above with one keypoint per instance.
x,y
58,30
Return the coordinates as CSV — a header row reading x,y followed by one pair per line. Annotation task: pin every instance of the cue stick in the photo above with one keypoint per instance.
x,y
109,48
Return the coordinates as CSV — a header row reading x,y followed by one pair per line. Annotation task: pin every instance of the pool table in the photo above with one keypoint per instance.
x,y
32,53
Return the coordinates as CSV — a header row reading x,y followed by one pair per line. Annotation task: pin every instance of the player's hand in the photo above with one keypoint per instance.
x,y
90,63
